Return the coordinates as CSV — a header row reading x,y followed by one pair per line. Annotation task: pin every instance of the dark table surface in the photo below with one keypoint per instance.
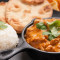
x,y
24,55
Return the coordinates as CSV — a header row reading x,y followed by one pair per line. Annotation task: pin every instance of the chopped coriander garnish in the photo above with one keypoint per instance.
x,y
54,27
41,25
58,28
51,37
54,32
2,25
54,24
46,33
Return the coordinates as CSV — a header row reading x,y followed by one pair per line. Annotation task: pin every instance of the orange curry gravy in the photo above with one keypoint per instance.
x,y
36,39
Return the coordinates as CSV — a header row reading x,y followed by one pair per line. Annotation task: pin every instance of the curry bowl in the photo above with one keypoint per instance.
x,y
36,53
33,52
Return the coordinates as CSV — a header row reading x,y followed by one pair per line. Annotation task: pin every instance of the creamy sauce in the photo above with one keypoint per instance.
x,y
36,39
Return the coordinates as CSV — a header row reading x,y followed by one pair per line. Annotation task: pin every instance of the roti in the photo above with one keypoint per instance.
x,y
19,13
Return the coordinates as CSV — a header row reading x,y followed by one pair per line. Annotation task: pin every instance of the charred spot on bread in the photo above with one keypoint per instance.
x,y
2,3
33,2
47,8
27,11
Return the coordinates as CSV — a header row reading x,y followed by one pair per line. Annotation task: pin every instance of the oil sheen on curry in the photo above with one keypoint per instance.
x,y
44,34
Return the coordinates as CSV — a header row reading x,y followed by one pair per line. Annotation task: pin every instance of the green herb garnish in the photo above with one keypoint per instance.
x,y
54,32
41,25
46,33
51,37
54,24
2,25
54,27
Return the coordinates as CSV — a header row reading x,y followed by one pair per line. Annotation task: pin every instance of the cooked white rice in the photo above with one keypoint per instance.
x,y
8,38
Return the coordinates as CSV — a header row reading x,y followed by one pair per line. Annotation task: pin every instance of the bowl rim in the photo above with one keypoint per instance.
x,y
24,30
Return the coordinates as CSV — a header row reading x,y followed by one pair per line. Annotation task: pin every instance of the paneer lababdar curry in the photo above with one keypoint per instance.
x,y
44,34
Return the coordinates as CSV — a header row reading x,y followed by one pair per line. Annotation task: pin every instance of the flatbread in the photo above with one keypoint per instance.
x,y
19,13
2,11
55,4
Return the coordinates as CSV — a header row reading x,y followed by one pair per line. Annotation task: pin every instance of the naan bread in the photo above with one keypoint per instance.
x,y
55,4
19,13
2,11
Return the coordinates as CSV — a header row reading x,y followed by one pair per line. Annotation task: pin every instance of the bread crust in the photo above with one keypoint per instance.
x,y
33,2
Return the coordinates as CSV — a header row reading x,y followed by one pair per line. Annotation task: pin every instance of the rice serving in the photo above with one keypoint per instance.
x,y
8,38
